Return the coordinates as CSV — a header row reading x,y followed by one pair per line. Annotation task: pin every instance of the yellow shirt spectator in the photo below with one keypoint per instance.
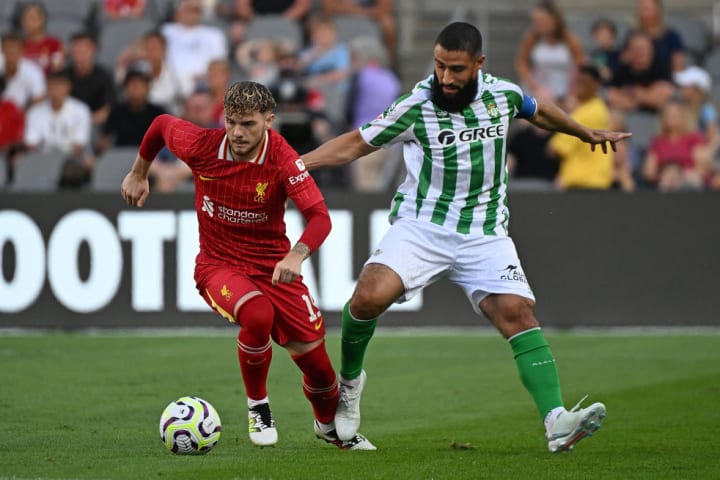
x,y
580,167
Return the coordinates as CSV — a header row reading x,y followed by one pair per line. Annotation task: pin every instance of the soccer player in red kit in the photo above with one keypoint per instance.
x,y
246,270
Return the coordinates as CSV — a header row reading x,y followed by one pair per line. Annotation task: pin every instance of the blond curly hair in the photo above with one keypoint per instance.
x,y
244,98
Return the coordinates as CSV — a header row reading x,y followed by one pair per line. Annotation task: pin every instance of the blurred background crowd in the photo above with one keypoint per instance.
x,y
81,81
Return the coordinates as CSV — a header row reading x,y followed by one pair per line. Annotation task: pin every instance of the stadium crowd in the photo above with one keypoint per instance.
x,y
83,81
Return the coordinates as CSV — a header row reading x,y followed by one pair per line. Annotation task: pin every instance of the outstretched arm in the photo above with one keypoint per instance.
x,y
551,117
338,151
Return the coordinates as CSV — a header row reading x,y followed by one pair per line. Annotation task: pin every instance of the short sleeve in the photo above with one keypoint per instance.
x,y
394,124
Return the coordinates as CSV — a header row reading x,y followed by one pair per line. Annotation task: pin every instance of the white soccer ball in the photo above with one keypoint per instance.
x,y
190,426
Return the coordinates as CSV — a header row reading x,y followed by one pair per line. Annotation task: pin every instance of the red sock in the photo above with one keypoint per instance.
x,y
254,345
319,382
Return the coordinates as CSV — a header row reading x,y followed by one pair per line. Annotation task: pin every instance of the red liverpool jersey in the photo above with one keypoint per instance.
x,y
240,205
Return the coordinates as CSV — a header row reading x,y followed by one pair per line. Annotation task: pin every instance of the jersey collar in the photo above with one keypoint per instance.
x,y
224,152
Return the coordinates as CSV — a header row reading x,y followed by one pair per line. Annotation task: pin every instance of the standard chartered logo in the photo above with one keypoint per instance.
x,y
208,206
232,215
448,137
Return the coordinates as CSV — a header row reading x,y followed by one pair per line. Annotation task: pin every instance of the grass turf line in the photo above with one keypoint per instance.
x,y
87,407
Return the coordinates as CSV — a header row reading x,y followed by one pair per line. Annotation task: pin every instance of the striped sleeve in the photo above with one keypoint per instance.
x,y
394,124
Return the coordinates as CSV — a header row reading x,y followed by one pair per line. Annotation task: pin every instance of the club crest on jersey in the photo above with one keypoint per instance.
x,y
492,110
225,292
260,192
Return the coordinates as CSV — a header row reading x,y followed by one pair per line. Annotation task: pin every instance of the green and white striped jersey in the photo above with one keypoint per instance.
x,y
456,169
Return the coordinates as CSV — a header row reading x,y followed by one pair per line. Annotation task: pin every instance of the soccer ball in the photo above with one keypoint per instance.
x,y
190,426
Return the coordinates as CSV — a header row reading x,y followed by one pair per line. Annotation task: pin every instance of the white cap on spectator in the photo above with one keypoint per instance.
x,y
694,76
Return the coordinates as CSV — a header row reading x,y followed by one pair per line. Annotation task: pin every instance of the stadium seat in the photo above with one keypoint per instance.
x,y
694,32
65,27
79,9
117,35
111,168
643,126
38,172
531,185
3,173
274,27
350,26
712,65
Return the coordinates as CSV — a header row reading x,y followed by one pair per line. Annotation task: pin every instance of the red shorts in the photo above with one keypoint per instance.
x,y
296,317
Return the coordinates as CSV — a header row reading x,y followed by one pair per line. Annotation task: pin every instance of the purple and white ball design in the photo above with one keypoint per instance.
x,y
190,426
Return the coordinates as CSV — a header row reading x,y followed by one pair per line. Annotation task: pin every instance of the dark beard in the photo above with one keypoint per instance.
x,y
462,98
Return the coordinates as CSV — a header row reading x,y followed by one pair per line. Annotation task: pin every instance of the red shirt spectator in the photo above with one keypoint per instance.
x,y
124,8
46,50
11,124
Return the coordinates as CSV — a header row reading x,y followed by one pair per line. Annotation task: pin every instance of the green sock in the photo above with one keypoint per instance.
x,y
356,335
538,372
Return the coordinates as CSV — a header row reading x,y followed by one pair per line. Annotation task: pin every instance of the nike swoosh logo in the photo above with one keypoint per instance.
x,y
206,179
250,362
318,324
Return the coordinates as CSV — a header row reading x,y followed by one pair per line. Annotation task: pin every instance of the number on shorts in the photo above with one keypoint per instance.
x,y
311,307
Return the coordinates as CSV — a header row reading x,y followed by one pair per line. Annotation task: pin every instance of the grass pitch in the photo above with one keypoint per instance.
x,y
437,407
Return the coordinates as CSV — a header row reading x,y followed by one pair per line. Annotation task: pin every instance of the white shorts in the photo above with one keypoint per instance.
x,y
421,253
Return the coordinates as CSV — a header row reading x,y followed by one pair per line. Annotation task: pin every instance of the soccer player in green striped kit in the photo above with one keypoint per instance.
x,y
449,219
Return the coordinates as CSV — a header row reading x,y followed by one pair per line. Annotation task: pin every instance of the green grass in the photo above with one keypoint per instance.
x,y
84,406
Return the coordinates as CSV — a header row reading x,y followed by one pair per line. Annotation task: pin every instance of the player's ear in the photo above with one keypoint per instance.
x,y
269,119
479,60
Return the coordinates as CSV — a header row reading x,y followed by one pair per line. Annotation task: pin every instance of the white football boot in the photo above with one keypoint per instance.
x,y
358,442
261,425
347,414
572,426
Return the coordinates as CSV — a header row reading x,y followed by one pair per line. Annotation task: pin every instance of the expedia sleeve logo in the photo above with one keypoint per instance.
x,y
448,137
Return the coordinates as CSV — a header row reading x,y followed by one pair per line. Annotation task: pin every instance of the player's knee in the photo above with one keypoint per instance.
x,y
519,312
365,304
257,315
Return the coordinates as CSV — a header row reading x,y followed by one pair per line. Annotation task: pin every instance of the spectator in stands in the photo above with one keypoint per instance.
x,y
45,50
166,89
695,87
379,11
529,157
217,82
12,123
191,46
639,83
25,81
677,143
248,9
167,172
62,124
669,50
91,83
624,156
129,119
240,12
605,52
326,61
549,54
122,9
581,167
258,60
373,87
302,121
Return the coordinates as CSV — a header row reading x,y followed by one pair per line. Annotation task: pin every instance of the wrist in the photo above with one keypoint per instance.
x,y
301,250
